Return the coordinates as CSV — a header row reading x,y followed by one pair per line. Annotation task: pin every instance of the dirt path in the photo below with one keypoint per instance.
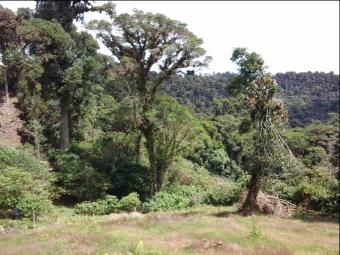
x,y
10,122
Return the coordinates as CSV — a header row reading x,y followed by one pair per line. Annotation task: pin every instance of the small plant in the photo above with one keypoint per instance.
x,y
138,248
255,232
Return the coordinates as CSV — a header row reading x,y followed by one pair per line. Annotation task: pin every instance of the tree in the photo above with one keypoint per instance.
x,y
8,39
176,133
65,12
266,113
141,42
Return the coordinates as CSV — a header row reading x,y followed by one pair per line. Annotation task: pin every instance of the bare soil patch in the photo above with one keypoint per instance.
x,y
10,122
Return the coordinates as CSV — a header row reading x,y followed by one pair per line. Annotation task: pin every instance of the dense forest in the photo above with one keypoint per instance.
x,y
106,134
307,96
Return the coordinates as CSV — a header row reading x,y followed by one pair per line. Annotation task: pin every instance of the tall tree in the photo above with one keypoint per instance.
x,y
267,114
9,39
143,41
65,12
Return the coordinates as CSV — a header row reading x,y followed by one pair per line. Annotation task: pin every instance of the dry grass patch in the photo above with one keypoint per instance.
x,y
181,233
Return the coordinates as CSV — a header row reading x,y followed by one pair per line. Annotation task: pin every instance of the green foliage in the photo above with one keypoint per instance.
x,y
250,65
199,92
100,207
223,193
109,204
144,40
138,248
185,172
129,202
255,232
217,161
189,185
306,95
126,135
309,95
19,189
223,151
173,198
130,177
178,133
78,175
10,157
315,190
316,144
314,155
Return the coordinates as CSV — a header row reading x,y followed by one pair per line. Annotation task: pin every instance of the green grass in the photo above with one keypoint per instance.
x,y
201,230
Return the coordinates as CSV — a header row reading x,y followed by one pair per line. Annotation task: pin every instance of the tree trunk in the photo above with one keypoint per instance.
x,y
150,146
64,134
253,190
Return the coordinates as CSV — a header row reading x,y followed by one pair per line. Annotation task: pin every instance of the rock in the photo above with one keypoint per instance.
x,y
2,230
9,230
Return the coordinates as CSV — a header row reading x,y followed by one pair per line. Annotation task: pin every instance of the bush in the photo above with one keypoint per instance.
x,y
223,193
110,204
73,173
174,198
101,207
186,173
20,190
10,157
316,190
129,203
189,184
130,177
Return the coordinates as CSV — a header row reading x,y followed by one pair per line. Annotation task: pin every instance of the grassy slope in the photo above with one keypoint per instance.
x,y
205,230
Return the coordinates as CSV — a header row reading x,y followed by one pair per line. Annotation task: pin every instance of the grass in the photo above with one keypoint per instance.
x,y
201,230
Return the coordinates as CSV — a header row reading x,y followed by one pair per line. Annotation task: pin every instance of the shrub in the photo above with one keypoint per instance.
x,y
104,206
129,202
174,198
223,193
130,177
20,190
10,157
76,174
316,190
185,172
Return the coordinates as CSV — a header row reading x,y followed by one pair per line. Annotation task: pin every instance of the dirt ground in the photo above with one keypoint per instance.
x,y
10,122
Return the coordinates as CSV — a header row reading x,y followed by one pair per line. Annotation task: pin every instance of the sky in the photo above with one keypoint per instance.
x,y
297,36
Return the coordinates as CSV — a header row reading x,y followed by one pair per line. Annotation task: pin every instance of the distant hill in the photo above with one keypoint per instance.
x,y
197,91
306,95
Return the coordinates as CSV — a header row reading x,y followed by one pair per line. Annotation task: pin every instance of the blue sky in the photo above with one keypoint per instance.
x,y
298,36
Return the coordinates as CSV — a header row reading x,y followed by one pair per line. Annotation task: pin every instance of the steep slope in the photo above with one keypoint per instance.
x,y
10,122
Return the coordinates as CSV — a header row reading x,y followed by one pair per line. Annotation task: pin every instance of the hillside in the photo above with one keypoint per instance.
x,y
307,95
10,122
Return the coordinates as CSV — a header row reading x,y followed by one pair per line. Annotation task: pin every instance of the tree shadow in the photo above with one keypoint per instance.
x,y
312,217
219,214
225,214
